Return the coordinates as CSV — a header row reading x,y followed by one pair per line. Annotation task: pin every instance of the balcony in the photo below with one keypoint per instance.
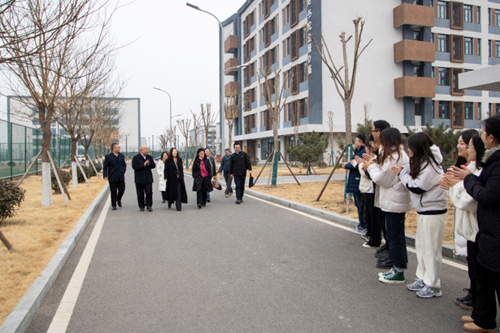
x,y
231,44
415,15
231,88
414,50
414,86
231,66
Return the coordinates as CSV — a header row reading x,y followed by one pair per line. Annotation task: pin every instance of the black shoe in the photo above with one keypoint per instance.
x,y
204,205
382,248
150,209
238,202
208,199
113,208
385,264
199,206
141,209
169,205
467,297
119,204
382,254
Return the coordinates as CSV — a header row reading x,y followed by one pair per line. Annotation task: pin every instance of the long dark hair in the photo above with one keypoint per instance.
x,y
420,144
161,157
171,151
391,141
466,136
492,126
478,144
198,152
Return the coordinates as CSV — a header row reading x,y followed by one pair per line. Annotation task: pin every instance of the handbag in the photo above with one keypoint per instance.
x,y
216,185
250,181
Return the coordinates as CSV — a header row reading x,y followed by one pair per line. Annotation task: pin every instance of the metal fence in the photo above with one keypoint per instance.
x,y
19,145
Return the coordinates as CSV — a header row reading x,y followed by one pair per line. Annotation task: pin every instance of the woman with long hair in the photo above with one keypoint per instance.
x,y
465,214
393,199
485,189
160,168
174,176
429,201
201,177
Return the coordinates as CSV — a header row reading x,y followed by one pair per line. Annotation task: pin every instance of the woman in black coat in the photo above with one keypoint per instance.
x,y
201,177
174,176
485,189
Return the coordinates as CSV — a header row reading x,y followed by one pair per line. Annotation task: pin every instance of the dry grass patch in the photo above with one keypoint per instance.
x,y
332,200
36,233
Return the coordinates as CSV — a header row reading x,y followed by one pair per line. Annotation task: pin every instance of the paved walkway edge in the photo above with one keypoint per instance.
x,y
410,239
19,319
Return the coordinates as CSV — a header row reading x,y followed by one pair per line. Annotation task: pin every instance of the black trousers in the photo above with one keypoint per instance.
x,y
229,181
201,197
370,215
471,265
164,195
144,189
117,189
484,306
178,197
239,181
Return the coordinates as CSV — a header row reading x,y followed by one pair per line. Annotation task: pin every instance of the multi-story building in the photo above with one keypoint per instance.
x,y
408,74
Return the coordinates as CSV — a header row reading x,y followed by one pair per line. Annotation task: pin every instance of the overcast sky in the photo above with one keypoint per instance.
x,y
176,49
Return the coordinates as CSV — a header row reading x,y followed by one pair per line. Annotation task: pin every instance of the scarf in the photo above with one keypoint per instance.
x,y
489,152
204,171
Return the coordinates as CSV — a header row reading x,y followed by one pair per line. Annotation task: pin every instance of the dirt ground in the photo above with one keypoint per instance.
x,y
332,200
36,233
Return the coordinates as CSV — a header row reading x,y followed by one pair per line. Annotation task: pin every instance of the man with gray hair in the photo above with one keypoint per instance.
x,y
113,170
142,164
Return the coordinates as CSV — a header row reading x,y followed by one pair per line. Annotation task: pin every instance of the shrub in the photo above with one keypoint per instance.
x,y
91,171
10,197
98,167
66,178
11,163
86,169
254,161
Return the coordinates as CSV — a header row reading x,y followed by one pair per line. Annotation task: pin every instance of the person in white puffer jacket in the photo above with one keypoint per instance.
x,y
393,200
466,214
429,200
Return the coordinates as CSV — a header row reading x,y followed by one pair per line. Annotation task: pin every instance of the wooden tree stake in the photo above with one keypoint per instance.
x,y
331,174
5,241
56,173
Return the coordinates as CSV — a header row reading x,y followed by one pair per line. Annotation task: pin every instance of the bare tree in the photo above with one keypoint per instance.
x,y
208,120
331,138
162,139
44,77
197,122
272,87
345,84
184,126
232,112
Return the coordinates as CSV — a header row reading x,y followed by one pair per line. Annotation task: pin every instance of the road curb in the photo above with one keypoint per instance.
x,y
447,250
20,318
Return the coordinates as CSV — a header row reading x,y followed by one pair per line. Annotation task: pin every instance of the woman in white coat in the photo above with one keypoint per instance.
x,y
160,168
393,199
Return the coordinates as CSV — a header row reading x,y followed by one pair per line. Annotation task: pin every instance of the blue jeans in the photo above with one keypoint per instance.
x,y
396,240
358,202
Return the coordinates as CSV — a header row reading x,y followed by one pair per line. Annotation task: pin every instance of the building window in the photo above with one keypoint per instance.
x,y
444,110
302,108
497,17
490,107
497,109
286,47
442,9
479,113
468,13
444,76
433,74
443,43
286,15
302,72
478,15
497,49
469,110
478,47
468,46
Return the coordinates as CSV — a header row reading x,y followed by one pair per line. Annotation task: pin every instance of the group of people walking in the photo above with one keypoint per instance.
x,y
386,182
170,170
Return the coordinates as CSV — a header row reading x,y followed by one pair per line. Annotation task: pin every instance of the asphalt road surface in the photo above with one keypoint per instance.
x,y
254,267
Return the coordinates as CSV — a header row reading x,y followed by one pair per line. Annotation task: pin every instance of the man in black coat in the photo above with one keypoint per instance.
x,y
240,163
142,164
113,170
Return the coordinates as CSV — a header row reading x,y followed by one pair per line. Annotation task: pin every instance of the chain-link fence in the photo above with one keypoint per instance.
x,y
19,145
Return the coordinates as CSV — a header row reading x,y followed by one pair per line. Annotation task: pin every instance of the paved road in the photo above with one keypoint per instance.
x,y
289,179
254,267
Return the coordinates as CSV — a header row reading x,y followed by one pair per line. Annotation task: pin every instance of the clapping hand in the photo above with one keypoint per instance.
x,y
396,169
446,182
458,173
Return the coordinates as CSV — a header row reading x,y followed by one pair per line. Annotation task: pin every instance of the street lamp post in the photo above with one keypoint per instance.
x,y
221,98
170,98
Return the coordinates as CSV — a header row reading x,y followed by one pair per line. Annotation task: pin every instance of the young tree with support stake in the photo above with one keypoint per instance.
x,y
232,112
274,106
184,126
208,120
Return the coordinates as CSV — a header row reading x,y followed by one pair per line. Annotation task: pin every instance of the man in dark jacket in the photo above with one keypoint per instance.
x,y
240,163
142,164
353,180
113,170
213,172
225,166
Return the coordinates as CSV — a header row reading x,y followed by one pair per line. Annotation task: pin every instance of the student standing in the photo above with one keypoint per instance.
x,y
240,163
113,170
213,173
429,200
353,181
201,177
394,201
225,166
174,176
142,164
160,168
485,189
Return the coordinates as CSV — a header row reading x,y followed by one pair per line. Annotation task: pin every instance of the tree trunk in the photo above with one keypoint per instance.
x,y
230,135
276,155
46,176
348,126
74,174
